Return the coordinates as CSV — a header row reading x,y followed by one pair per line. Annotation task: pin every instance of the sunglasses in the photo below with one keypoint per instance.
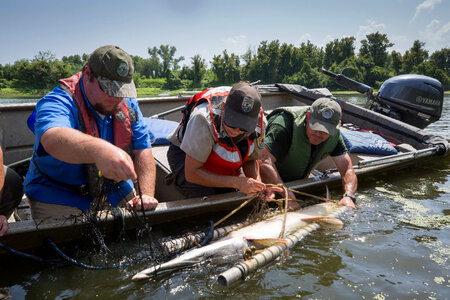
x,y
243,130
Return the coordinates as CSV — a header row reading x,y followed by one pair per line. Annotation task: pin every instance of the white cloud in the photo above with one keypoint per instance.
x,y
325,41
436,36
427,5
372,27
401,43
303,39
364,30
237,44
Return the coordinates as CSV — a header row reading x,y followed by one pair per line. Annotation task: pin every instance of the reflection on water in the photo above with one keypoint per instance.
x,y
396,245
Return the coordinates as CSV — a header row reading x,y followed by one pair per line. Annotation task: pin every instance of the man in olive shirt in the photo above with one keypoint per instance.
x,y
297,138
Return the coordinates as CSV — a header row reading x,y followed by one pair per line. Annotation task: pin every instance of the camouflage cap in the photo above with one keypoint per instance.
x,y
115,70
325,115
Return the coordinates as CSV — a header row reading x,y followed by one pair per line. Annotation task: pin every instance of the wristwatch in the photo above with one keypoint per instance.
x,y
353,197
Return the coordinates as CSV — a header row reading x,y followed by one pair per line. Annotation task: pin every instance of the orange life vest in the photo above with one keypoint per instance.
x,y
122,132
226,157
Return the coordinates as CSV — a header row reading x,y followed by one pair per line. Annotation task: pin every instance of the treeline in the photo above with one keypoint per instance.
x,y
271,62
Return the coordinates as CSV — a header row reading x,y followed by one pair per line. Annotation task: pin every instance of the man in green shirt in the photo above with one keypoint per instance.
x,y
297,138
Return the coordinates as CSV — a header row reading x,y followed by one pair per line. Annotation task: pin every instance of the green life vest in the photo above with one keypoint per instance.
x,y
299,160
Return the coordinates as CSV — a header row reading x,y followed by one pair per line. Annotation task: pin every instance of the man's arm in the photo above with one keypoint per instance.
x,y
251,169
3,225
349,179
196,174
3,220
269,174
2,172
144,163
73,146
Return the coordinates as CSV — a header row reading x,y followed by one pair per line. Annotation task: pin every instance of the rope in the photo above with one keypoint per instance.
x,y
208,235
236,209
283,227
138,185
22,254
84,266
312,196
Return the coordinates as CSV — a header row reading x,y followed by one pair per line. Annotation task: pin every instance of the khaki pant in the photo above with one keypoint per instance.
x,y
42,210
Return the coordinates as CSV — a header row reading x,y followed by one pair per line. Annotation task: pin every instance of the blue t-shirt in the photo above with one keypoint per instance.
x,y
57,109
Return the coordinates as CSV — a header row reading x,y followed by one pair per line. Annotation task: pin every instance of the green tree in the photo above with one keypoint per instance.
x,y
414,57
250,66
173,81
154,64
167,56
438,66
376,46
75,61
286,60
218,68
226,67
396,62
291,60
43,72
312,54
3,81
441,59
338,50
198,70
365,63
307,76
267,61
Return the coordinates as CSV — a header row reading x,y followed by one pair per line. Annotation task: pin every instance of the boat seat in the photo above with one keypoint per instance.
x,y
405,148
328,163
163,191
160,155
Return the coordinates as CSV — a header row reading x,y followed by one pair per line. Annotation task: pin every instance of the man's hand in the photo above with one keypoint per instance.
x,y
75,147
148,201
293,205
270,192
3,225
249,185
116,165
347,201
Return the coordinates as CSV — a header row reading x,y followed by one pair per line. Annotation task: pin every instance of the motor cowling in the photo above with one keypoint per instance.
x,y
414,99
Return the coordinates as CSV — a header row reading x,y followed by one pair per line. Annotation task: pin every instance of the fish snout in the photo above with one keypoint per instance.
x,y
140,276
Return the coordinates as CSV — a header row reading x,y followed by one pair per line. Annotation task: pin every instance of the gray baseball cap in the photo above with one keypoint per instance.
x,y
325,115
243,107
115,70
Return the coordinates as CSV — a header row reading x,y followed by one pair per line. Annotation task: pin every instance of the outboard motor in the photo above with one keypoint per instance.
x,y
413,99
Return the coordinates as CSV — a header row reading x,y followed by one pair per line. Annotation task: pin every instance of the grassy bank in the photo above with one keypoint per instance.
x,y
15,93
142,93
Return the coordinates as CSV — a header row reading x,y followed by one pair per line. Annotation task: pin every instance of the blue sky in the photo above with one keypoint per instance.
x,y
208,27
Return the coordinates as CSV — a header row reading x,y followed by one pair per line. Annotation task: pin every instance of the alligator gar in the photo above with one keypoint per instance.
x,y
259,235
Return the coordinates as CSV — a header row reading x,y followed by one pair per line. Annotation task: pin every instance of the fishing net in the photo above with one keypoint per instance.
x,y
106,243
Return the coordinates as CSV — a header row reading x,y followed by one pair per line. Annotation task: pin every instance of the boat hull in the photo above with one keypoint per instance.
x,y
18,142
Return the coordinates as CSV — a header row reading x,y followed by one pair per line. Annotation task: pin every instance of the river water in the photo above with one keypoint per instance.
x,y
396,245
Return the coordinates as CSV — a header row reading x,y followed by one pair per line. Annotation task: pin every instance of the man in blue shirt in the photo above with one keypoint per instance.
x,y
87,130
